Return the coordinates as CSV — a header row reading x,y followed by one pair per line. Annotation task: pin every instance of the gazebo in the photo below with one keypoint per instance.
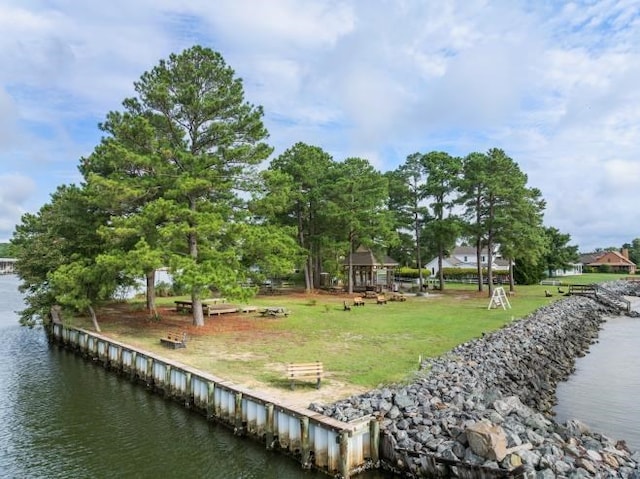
x,y
370,273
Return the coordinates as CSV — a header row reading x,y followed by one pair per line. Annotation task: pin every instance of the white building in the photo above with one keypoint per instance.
x,y
465,257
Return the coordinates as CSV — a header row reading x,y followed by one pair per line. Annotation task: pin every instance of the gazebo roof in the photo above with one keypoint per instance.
x,y
365,257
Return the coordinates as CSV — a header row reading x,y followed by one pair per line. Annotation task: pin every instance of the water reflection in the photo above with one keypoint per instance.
x,y
64,417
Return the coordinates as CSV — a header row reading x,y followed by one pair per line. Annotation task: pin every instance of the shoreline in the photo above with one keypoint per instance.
x,y
488,403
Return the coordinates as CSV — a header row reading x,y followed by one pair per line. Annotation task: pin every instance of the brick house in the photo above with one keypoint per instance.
x,y
614,261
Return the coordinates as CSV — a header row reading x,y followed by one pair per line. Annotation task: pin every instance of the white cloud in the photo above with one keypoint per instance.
x,y
553,84
15,190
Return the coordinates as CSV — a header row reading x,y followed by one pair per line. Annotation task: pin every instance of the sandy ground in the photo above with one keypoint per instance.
x,y
125,325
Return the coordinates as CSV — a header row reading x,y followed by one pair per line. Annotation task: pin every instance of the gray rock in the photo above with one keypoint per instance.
x,y
507,377
394,412
403,401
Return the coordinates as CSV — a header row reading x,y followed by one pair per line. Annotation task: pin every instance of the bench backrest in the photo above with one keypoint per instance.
x,y
297,370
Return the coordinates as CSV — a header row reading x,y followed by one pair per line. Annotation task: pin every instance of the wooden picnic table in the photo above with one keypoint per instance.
x,y
183,306
208,307
274,311
214,300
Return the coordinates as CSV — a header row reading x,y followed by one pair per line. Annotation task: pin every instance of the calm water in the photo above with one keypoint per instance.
x,y
604,390
62,417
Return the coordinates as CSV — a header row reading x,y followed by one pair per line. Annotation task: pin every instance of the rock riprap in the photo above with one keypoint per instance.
x,y
488,403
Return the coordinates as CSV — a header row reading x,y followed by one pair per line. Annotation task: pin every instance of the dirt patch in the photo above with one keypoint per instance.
x,y
134,327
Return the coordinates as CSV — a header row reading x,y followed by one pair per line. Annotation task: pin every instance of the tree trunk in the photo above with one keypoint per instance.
x,y
350,268
479,261
307,263
196,302
418,256
198,316
94,320
56,314
512,284
490,266
440,272
151,292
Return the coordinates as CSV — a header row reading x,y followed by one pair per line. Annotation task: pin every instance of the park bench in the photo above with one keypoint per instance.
x,y
305,371
381,299
358,301
370,294
174,339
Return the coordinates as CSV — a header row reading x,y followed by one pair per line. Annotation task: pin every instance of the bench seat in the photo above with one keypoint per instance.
x,y
174,339
305,371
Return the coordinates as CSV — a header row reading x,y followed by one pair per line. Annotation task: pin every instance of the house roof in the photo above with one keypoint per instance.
x,y
468,250
365,257
612,258
588,258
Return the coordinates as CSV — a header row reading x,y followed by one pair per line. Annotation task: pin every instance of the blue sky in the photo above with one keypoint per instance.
x,y
555,84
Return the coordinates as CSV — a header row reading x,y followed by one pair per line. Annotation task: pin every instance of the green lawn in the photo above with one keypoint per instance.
x,y
368,346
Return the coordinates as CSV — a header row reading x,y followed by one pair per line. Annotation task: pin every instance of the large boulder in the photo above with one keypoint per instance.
x,y
487,440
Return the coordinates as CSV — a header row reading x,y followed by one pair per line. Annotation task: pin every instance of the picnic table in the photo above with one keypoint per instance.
x,y
214,300
209,306
274,311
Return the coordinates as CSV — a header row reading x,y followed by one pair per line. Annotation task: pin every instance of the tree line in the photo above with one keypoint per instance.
x,y
177,181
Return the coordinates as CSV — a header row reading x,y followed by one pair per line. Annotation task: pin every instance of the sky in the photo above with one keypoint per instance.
x,y
554,84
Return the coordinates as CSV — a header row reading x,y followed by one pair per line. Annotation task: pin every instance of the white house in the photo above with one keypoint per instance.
x,y
572,269
465,257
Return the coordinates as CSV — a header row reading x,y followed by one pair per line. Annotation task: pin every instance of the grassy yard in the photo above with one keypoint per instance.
x,y
367,347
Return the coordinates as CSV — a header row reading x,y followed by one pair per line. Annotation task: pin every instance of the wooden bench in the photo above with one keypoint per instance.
x,y
370,294
398,297
305,371
358,301
174,339
381,299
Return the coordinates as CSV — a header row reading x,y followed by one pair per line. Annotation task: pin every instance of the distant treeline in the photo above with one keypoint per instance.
x,y
5,250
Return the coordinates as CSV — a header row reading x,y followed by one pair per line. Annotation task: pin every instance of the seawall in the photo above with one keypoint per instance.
x,y
337,448
485,409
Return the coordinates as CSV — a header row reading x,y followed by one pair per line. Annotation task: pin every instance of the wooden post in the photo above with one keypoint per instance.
x,y
374,440
149,372
268,427
120,366
134,364
305,448
188,395
211,399
238,429
344,455
95,351
168,387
